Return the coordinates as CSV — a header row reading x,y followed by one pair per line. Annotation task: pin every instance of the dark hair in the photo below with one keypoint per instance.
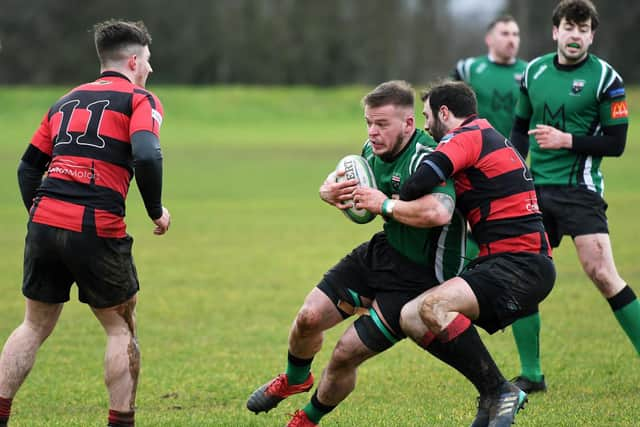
x,y
576,11
394,92
502,18
113,36
456,95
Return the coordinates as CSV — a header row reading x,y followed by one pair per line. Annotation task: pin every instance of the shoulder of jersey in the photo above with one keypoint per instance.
x,y
357,167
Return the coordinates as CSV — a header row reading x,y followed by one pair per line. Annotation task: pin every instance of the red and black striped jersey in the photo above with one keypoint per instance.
x,y
84,144
494,190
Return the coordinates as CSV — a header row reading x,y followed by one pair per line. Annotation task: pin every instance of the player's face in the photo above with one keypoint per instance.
x,y
432,123
142,67
573,40
389,128
504,41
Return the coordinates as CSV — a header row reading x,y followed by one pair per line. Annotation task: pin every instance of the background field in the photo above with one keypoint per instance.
x,y
249,239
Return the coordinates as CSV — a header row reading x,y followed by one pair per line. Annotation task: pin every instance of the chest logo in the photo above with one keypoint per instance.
x,y
500,101
577,86
395,183
555,119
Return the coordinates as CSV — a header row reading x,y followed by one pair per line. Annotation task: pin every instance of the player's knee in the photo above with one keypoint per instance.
x,y
308,320
600,274
343,355
427,312
410,320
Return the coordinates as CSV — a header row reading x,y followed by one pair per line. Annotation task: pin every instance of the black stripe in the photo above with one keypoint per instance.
x,y
501,186
119,102
114,151
148,95
491,231
92,196
492,141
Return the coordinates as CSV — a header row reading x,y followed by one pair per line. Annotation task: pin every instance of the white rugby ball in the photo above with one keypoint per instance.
x,y
357,167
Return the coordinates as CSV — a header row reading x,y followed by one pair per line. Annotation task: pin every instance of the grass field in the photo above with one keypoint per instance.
x,y
249,239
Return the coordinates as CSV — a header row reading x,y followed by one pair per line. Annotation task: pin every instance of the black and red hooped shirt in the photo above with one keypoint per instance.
x,y
494,190
84,143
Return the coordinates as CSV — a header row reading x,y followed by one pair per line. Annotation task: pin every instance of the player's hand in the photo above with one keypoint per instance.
x,y
550,138
370,199
162,223
338,194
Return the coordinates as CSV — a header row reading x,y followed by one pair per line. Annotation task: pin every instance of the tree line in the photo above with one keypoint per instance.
x,y
329,42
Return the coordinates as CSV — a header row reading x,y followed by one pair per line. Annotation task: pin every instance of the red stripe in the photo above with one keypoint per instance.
x,y
59,214
5,407
499,162
109,225
86,171
457,326
525,243
427,339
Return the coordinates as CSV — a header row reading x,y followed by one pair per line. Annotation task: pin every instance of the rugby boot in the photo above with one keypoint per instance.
x,y
505,405
528,386
482,416
275,391
300,419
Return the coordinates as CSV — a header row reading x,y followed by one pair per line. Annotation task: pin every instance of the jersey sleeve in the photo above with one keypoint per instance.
x,y
147,113
39,151
462,150
613,102
523,105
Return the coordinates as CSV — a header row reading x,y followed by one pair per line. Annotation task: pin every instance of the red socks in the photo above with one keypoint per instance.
x,y
121,419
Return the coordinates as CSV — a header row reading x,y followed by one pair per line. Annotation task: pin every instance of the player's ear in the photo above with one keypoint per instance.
x,y
132,62
554,33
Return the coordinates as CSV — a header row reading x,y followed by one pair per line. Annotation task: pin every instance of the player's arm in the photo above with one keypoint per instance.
x,y
614,116
147,163
433,170
520,137
147,157
431,210
34,162
29,179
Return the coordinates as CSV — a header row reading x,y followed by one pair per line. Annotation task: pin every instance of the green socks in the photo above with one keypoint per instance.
x,y
316,410
626,308
526,332
297,369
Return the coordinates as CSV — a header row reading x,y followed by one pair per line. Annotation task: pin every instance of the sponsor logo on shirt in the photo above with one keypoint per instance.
x,y
619,110
577,86
518,77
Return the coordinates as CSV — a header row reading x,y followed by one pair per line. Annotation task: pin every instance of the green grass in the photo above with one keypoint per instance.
x,y
249,239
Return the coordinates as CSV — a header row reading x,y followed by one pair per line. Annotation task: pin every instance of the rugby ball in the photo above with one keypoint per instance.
x,y
357,167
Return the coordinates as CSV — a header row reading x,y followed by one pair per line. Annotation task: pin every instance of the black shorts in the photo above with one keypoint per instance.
x,y
55,258
571,211
509,286
375,270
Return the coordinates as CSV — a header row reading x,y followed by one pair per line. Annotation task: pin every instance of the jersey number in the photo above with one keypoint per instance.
x,y
526,173
90,136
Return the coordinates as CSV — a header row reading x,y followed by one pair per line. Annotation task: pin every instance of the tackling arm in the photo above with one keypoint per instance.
x,y
435,168
432,210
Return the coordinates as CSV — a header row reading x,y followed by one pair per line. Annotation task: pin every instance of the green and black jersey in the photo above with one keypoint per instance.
x,y
581,99
496,87
443,247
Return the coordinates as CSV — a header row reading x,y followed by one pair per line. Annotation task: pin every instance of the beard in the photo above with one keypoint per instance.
x,y
438,129
397,148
